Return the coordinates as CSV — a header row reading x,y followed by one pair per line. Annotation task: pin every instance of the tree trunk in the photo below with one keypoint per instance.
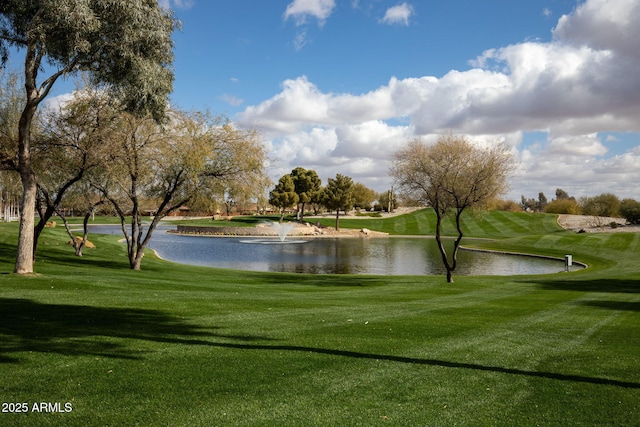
x,y
443,251
301,216
40,226
337,219
24,256
136,262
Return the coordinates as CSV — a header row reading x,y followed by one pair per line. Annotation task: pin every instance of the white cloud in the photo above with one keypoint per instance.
x,y
299,10
300,40
581,84
176,4
231,100
398,14
603,24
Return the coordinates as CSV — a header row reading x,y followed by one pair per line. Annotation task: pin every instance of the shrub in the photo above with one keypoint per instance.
x,y
605,204
505,205
630,210
563,206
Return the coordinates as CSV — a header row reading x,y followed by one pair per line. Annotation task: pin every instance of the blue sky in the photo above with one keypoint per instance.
x,y
243,50
339,85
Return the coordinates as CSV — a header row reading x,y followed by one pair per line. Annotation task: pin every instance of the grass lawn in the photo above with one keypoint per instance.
x,y
190,346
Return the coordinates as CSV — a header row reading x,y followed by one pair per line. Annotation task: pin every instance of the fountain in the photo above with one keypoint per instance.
x,y
282,230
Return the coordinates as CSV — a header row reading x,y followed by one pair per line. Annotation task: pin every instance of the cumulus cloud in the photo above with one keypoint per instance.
x,y
580,84
398,15
300,10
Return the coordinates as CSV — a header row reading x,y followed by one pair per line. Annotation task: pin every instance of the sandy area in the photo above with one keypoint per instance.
x,y
593,224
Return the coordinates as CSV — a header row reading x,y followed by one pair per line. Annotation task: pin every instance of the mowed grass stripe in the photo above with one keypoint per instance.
x,y
180,345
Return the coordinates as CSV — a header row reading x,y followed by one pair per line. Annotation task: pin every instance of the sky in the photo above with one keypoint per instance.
x,y
338,86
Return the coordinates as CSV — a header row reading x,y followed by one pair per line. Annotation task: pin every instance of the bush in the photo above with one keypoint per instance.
x,y
563,206
605,204
504,205
630,210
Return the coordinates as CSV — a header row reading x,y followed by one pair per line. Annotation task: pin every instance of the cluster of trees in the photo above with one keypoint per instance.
x,y
303,187
116,142
602,205
92,153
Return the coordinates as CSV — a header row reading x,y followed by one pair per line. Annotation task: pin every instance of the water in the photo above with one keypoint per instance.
x,y
282,229
383,256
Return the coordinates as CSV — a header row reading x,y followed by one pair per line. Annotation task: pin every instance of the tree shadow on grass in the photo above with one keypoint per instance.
x,y
613,305
627,286
435,362
73,330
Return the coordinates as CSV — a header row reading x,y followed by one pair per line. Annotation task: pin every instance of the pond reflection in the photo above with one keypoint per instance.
x,y
383,256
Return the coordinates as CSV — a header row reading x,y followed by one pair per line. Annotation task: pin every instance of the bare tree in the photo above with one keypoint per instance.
x,y
451,176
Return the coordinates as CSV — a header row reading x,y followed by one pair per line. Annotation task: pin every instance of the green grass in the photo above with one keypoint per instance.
x,y
494,224
189,346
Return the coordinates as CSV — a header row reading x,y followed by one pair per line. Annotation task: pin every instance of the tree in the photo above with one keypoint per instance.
x,y
338,195
307,185
70,144
11,101
451,176
603,205
283,196
630,210
528,205
561,194
533,205
542,202
363,197
126,45
154,170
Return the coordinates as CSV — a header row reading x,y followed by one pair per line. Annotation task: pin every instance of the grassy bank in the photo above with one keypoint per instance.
x,y
179,345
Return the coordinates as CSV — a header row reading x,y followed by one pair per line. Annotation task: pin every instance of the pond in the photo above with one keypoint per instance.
x,y
382,256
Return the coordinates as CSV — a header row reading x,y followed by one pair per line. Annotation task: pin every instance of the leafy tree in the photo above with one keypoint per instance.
x,y
70,144
542,202
338,195
154,170
529,205
363,197
12,99
561,194
630,210
283,196
307,185
603,205
533,205
451,176
126,45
